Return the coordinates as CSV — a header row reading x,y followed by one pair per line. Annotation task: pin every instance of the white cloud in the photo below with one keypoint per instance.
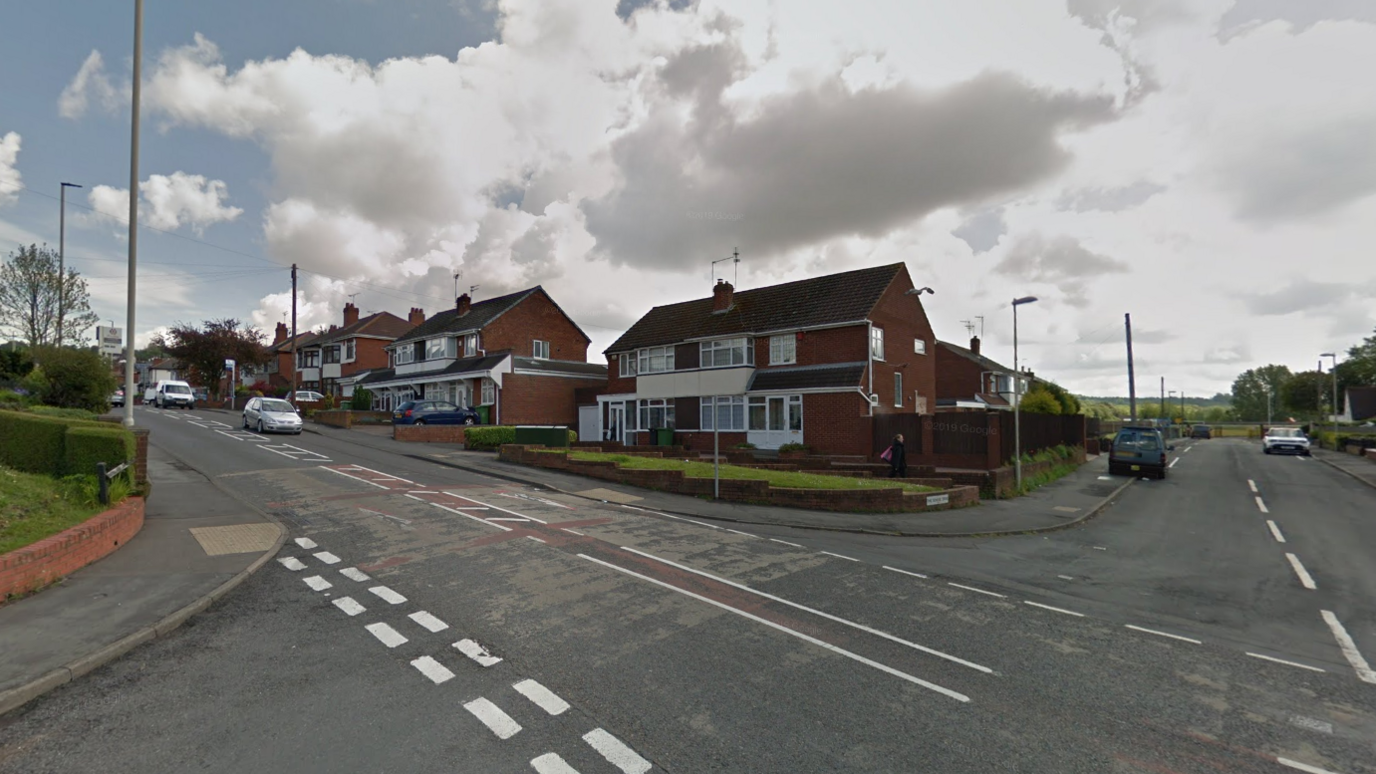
x,y
10,179
90,81
168,202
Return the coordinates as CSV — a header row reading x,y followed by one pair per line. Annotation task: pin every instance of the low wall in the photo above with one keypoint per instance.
x,y
36,565
886,500
347,418
428,433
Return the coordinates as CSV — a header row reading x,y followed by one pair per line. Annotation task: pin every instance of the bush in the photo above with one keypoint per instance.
x,y
72,378
15,364
795,447
492,437
745,445
86,446
64,413
13,401
1040,402
31,443
362,400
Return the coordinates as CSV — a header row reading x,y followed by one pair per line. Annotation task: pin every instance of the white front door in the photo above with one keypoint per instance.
x,y
775,420
616,423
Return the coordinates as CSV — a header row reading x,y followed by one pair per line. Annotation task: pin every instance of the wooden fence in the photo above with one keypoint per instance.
x,y
974,439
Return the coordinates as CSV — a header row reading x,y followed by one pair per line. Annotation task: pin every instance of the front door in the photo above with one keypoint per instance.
x,y
616,423
775,420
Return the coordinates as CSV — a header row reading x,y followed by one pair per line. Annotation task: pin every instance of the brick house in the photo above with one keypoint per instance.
x,y
517,358
967,380
334,361
803,362
280,370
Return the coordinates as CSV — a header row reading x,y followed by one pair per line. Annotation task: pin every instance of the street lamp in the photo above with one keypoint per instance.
x,y
918,291
1017,395
1334,369
62,259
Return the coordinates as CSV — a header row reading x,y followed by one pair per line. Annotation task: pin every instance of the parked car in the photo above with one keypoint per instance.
x,y
271,415
117,398
1139,451
305,396
433,412
1201,431
1290,440
171,394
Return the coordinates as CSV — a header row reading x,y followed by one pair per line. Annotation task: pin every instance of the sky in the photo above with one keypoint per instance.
x,y
1206,166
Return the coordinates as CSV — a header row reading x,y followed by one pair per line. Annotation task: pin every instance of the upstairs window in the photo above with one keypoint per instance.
x,y
332,353
308,358
350,351
470,345
435,349
403,354
783,350
919,346
727,352
627,361
655,360
877,343
540,350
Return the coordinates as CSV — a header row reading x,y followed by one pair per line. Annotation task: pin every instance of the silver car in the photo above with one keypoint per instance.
x,y
271,415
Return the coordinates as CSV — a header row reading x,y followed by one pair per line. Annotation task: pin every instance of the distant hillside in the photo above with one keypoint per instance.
x,y
1221,400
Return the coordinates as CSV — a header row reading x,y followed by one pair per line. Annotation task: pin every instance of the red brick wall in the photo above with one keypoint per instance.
x,y
903,319
540,400
956,376
428,433
368,355
39,564
616,384
837,423
536,318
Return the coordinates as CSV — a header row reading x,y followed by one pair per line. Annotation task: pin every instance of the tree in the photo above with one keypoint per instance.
x,y
15,364
1069,403
1250,388
1040,401
1307,393
204,351
1359,369
72,378
32,289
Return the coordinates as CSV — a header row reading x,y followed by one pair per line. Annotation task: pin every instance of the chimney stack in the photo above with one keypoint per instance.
x,y
417,316
350,314
722,296
280,335
463,303
974,344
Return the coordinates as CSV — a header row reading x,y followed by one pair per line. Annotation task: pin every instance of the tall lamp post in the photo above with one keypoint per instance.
x,y
133,217
62,259
1017,395
1334,370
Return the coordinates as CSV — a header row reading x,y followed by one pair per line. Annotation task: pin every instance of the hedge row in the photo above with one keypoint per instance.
x,y
492,437
56,446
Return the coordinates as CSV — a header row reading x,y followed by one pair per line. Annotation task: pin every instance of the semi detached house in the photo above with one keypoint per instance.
x,y
516,358
803,362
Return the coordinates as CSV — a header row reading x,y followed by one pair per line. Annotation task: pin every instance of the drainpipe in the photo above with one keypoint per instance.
x,y
869,349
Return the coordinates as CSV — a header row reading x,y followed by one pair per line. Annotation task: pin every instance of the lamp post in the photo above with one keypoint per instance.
x,y
1017,395
133,217
1334,370
62,259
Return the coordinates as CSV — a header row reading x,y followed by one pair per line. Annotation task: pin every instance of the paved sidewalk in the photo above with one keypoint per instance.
x,y
1358,468
143,590
1064,503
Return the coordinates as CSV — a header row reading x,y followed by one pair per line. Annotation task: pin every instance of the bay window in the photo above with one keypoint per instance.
x,y
403,354
729,413
726,352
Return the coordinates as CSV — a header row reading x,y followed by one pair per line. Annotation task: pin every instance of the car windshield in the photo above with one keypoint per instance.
x,y
180,389
1138,439
278,407
1286,432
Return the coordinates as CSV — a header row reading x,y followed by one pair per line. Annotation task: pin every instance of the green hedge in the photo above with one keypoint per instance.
x,y
32,443
492,437
86,446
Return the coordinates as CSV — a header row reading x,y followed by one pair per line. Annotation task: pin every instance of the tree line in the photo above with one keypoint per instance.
x,y
1304,395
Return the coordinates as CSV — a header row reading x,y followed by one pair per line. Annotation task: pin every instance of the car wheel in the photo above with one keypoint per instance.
x,y
1266,451
468,421
420,422
246,421
260,427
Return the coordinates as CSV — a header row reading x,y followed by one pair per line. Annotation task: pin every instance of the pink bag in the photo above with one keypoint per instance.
x,y
887,456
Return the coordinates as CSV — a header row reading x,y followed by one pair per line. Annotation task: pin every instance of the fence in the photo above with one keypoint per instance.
x,y
1040,431
960,433
972,439
886,426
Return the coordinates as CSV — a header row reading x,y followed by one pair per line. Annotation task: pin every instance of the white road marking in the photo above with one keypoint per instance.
x,y
353,574
497,508
387,476
476,652
785,542
805,608
295,453
1302,766
1163,634
292,563
388,595
840,556
471,516
536,539
1349,648
1105,478
1177,459
428,621
424,491
1188,448
1053,609
356,478
349,605
306,543
806,638
1065,577
1275,531
327,557
1261,505
389,636
1253,485
1303,574
1301,459
1287,663
1313,724
551,763
198,424
437,672
318,583
1100,548
413,497
616,752
738,532
702,524
403,522
573,532
497,721
978,591
504,518
543,697
905,572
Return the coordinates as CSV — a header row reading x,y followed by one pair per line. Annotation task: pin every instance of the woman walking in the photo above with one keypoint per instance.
x,y
898,458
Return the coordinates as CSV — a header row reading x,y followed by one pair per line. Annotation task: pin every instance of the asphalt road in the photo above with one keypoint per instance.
x,y
687,647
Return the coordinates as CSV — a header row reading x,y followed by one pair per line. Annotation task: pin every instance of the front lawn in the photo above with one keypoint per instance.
x,y
781,478
33,507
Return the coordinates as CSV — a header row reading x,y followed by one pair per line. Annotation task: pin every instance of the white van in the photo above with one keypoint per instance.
x,y
169,393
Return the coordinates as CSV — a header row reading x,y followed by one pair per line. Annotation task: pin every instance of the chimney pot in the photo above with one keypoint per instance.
x,y
462,303
280,335
722,296
417,316
350,314
974,344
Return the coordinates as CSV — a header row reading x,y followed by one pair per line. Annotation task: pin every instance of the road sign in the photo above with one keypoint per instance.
x,y
229,364
109,341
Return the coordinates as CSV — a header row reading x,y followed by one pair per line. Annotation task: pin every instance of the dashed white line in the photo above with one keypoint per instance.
x,y
1065,577
1053,609
327,557
428,621
497,508
536,539
385,475
1261,505
437,672
389,636
505,518
497,721
292,563
1349,648
543,697
349,605
616,752
1163,634
785,542
551,763
1253,486
977,591
317,583
828,616
738,532
1305,579
1275,531
702,524
905,572
841,556
573,532
1287,663
388,595
1177,459
424,491
476,652
1302,766
471,516
353,574
804,637
356,478
306,543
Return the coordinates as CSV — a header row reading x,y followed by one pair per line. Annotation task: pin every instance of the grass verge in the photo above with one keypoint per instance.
x,y
780,478
1062,465
33,506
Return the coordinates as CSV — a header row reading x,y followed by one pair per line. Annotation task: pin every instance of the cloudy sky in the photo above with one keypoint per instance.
x,y
1206,165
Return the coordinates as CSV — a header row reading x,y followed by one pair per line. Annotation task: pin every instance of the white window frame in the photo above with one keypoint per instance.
x,y
876,342
735,418
648,407
489,392
350,351
710,352
645,360
435,349
539,349
470,345
404,354
898,389
783,350
919,346
627,363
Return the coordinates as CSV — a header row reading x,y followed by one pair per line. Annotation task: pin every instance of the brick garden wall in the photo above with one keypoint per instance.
x,y
428,433
40,564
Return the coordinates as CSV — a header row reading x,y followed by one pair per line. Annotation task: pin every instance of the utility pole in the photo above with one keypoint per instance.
x,y
62,260
1334,356
294,370
133,217
1163,397
1132,383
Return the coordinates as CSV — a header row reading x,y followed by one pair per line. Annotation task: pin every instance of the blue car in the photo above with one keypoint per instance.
x,y
433,412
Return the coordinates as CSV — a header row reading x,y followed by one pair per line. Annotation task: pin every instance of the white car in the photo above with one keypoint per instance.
x,y
271,415
1285,439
